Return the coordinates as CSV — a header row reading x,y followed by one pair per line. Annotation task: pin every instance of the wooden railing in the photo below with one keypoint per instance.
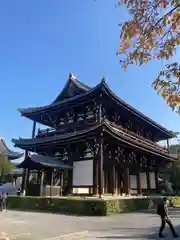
x,y
46,132
66,128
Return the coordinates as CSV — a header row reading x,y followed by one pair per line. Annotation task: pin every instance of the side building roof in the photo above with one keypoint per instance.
x,y
36,161
6,151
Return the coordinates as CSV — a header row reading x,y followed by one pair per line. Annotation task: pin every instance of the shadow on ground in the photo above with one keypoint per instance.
x,y
135,234
142,234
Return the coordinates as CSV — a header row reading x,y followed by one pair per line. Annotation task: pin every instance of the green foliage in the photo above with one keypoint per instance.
x,y
130,205
173,149
80,206
153,33
5,167
76,206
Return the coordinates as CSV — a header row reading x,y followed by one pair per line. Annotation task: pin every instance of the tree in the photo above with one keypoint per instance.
x,y
5,166
153,33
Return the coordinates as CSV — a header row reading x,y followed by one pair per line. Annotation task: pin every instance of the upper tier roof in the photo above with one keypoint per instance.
x,y
76,92
72,88
6,151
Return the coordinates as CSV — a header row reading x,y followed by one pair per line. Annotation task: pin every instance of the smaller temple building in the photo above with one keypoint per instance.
x,y
94,144
4,150
10,155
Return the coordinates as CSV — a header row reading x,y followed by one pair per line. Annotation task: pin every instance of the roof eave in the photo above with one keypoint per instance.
x,y
138,113
30,112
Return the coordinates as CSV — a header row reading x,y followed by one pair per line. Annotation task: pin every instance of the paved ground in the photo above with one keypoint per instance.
x,y
42,226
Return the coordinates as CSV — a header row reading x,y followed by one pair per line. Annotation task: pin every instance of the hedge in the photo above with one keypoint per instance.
x,y
81,206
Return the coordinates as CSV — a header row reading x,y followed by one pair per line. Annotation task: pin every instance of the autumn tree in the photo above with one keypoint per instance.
x,y
153,33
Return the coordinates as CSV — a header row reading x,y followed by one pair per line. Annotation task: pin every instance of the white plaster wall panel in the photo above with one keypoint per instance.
x,y
75,190
152,180
133,180
134,191
80,190
83,173
143,179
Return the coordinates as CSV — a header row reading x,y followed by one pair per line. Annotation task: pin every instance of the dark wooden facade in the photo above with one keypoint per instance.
x,y
94,125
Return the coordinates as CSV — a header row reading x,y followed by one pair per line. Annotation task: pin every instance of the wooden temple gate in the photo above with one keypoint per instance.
x,y
102,138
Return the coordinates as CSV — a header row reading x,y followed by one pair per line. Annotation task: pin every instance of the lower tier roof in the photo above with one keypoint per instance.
x,y
35,161
4,150
115,132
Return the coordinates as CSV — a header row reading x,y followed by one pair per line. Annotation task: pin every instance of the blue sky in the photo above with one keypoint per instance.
x,y
41,41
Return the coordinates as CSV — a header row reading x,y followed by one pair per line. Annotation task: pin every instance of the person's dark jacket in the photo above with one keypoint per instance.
x,y
162,209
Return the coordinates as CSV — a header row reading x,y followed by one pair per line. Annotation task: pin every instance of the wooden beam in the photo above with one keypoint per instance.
x,y
138,177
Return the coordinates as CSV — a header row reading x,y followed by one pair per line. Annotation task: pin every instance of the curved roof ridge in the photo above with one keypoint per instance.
x,y
79,84
137,112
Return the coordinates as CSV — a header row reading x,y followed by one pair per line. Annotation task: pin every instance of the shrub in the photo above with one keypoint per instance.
x,y
80,206
58,205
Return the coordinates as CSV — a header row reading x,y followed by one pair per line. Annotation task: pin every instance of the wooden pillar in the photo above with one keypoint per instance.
x,y
105,180
95,176
116,181
61,182
23,181
52,181
14,180
24,177
28,178
168,145
34,129
38,176
126,182
113,179
70,171
100,173
119,182
148,181
138,177
41,183
156,181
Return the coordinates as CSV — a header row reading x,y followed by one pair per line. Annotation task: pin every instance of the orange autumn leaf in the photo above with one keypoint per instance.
x,y
150,35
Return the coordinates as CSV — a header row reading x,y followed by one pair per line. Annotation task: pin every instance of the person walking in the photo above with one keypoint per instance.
x,y
4,201
162,211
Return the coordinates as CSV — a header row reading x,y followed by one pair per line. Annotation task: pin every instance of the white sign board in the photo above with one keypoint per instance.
x,y
83,173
